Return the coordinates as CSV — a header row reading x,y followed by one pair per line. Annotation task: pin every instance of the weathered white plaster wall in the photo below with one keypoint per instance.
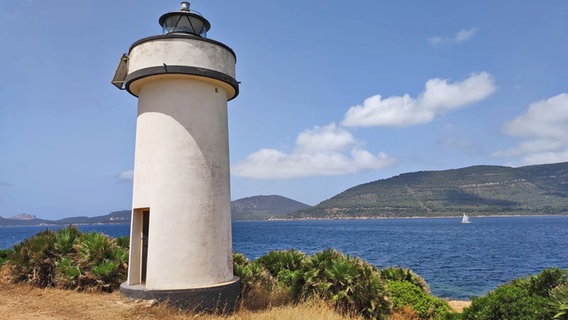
x,y
181,52
181,170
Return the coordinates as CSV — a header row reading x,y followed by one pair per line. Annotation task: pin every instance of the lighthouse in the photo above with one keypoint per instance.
x,y
180,238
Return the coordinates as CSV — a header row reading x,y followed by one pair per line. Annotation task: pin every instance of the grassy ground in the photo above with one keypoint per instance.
x,y
19,302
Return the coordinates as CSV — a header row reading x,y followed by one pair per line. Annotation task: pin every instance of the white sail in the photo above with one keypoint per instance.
x,y
465,219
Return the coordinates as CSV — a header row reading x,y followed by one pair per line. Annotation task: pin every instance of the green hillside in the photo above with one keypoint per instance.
x,y
478,190
264,207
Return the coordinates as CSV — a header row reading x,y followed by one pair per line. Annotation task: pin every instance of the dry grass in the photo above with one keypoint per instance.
x,y
406,313
19,302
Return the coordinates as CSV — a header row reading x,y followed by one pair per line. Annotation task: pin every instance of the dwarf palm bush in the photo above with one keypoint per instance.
x,y
65,239
33,260
101,260
94,247
120,256
67,273
123,242
559,297
283,265
251,274
69,259
257,283
351,285
4,254
309,281
105,271
402,274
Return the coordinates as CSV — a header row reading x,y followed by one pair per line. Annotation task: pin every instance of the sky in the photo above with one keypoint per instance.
x,y
333,94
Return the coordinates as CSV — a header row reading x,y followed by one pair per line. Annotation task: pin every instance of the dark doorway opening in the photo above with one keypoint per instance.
x,y
145,230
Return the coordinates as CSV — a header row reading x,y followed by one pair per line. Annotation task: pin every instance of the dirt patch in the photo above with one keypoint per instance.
x,y
459,305
26,302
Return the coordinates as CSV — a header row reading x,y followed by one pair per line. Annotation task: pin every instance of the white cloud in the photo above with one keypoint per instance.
x,y
321,151
438,98
436,40
326,139
543,129
462,36
546,119
332,150
126,176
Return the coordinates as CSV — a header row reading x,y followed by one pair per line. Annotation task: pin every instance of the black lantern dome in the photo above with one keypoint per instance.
x,y
184,21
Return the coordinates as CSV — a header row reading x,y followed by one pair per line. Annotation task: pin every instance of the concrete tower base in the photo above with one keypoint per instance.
x,y
221,298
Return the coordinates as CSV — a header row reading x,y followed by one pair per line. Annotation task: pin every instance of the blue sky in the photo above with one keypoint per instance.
x,y
333,94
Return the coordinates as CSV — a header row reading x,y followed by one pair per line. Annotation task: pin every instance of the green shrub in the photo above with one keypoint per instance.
x,y
401,274
105,271
405,293
509,301
283,265
93,248
67,273
33,260
257,283
251,274
120,256
4,254
309,281
351,285
103,263
559,302
543,283
535,297
69,259
123,242
65,239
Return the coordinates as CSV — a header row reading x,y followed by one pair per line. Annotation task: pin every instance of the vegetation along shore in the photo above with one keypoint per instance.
x,y
285,284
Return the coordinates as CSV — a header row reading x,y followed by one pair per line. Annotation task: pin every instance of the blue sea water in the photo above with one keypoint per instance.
x,y
457,260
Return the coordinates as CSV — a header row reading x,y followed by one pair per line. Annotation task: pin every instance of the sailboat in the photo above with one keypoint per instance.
x,y
465,219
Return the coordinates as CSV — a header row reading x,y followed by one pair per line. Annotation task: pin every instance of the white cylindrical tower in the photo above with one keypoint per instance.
x,y
180,242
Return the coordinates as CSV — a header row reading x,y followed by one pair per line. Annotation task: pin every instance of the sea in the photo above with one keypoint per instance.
x,y
457,260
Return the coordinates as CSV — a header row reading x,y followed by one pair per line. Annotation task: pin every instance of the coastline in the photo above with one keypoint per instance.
x,y
411,217
63,225
457,216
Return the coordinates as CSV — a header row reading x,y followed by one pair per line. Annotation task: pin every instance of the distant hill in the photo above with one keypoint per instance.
x,y
24,216
477,190
22,222
264,207
117,217
251,208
